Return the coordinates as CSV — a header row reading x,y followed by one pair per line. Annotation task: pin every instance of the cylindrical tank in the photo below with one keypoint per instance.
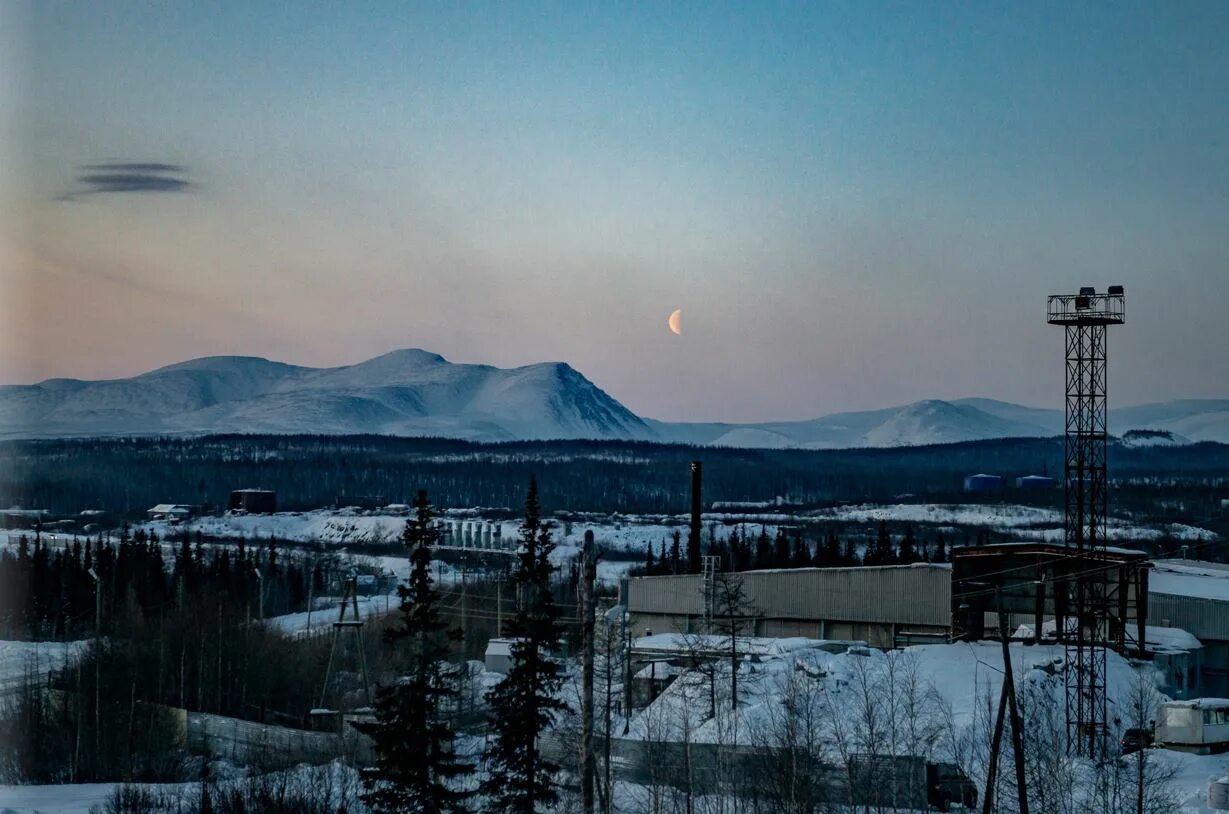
x,y
983,483
1218,794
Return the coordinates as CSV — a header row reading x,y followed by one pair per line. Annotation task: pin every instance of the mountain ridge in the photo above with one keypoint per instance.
x,y
413,391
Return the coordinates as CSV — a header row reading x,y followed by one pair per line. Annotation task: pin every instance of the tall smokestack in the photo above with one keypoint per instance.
x,y
693,536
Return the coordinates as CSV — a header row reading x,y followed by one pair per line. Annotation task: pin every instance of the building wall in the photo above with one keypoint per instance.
x,y
1208,620
870,604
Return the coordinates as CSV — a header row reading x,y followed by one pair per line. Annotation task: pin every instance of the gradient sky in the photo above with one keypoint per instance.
x,y
855,204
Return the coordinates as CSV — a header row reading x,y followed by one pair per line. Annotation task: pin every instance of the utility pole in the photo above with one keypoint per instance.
x,y
97,660
311,584
609,680
1007,701
1009,689
464,609
626,633
588,574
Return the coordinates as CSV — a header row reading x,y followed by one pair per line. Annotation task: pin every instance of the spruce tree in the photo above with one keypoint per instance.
x,y
851,555
526,701
908,546
415,769
801,557
780,549
763,550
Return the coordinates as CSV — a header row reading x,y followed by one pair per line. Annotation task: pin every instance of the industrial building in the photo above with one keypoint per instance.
x,y
1179,609
1031,583
173,512
1192,595
883,606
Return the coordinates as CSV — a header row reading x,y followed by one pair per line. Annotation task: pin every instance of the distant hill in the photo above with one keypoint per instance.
x,y
418,393
407,392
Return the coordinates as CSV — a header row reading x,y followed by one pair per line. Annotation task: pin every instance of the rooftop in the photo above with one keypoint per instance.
x,y
1195,578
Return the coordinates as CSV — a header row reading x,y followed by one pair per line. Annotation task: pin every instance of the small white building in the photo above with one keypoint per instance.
x,y
498,656
174,512
1200,725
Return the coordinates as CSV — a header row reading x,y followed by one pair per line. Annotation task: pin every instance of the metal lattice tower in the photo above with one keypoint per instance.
x,y
349,601
1085,316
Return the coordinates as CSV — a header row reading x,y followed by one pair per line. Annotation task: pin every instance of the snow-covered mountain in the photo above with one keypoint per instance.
x,y
942,422
922,422
417,393
407,392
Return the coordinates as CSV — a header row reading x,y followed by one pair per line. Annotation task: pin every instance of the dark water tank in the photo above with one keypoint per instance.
x,y
253,501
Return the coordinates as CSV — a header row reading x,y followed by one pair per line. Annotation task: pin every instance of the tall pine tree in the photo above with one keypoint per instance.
x,y
526,701
416,770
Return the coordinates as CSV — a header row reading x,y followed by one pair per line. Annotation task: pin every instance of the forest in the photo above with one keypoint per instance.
x,y
126,476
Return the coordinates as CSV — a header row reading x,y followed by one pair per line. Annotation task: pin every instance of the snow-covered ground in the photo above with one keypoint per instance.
x,y
1024,522
67,798
341,527
954,686
957,678
954,681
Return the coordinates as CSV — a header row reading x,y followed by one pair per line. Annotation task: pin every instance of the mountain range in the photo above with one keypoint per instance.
x,y
417,393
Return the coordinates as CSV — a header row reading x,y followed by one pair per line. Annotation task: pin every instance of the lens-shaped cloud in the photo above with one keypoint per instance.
x,y
130,176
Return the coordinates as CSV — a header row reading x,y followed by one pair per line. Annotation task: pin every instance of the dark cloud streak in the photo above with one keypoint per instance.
x,y
129,176
134,166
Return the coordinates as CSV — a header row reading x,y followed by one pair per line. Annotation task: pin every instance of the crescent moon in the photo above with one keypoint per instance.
x,y
675,321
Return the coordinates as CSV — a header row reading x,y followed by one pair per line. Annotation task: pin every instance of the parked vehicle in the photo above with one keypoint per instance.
x,y
1136,738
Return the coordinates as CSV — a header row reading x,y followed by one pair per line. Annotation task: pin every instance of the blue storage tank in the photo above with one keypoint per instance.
x,y
983,483
1036,482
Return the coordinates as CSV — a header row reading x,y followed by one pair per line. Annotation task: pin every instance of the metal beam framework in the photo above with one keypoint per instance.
x,y
1091,624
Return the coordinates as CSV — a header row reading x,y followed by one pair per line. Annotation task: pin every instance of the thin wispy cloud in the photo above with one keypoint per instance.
x,y
129,176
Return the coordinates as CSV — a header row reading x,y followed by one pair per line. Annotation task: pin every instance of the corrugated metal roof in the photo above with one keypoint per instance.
x,y
902,594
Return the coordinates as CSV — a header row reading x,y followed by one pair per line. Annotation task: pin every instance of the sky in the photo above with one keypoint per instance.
x,y
856,205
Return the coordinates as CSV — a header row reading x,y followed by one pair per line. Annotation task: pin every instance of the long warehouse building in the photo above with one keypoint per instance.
x,y
884,606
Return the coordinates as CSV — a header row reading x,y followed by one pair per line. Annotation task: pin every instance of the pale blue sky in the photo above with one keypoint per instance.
x,y
856,204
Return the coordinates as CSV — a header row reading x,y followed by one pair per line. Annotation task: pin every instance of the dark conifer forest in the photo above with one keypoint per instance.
x,y
126,476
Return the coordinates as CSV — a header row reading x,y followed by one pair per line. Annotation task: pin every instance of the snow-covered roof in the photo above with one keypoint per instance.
x,y
1156,639
1058,544
1200,703
659,670
1166,639
499,647
172,508
1206,580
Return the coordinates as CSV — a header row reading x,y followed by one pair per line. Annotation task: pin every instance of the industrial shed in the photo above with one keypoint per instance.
x,y
1194,595
1034,581
881,605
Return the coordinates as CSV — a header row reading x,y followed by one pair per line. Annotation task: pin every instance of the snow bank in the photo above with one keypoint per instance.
x,y
955,680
